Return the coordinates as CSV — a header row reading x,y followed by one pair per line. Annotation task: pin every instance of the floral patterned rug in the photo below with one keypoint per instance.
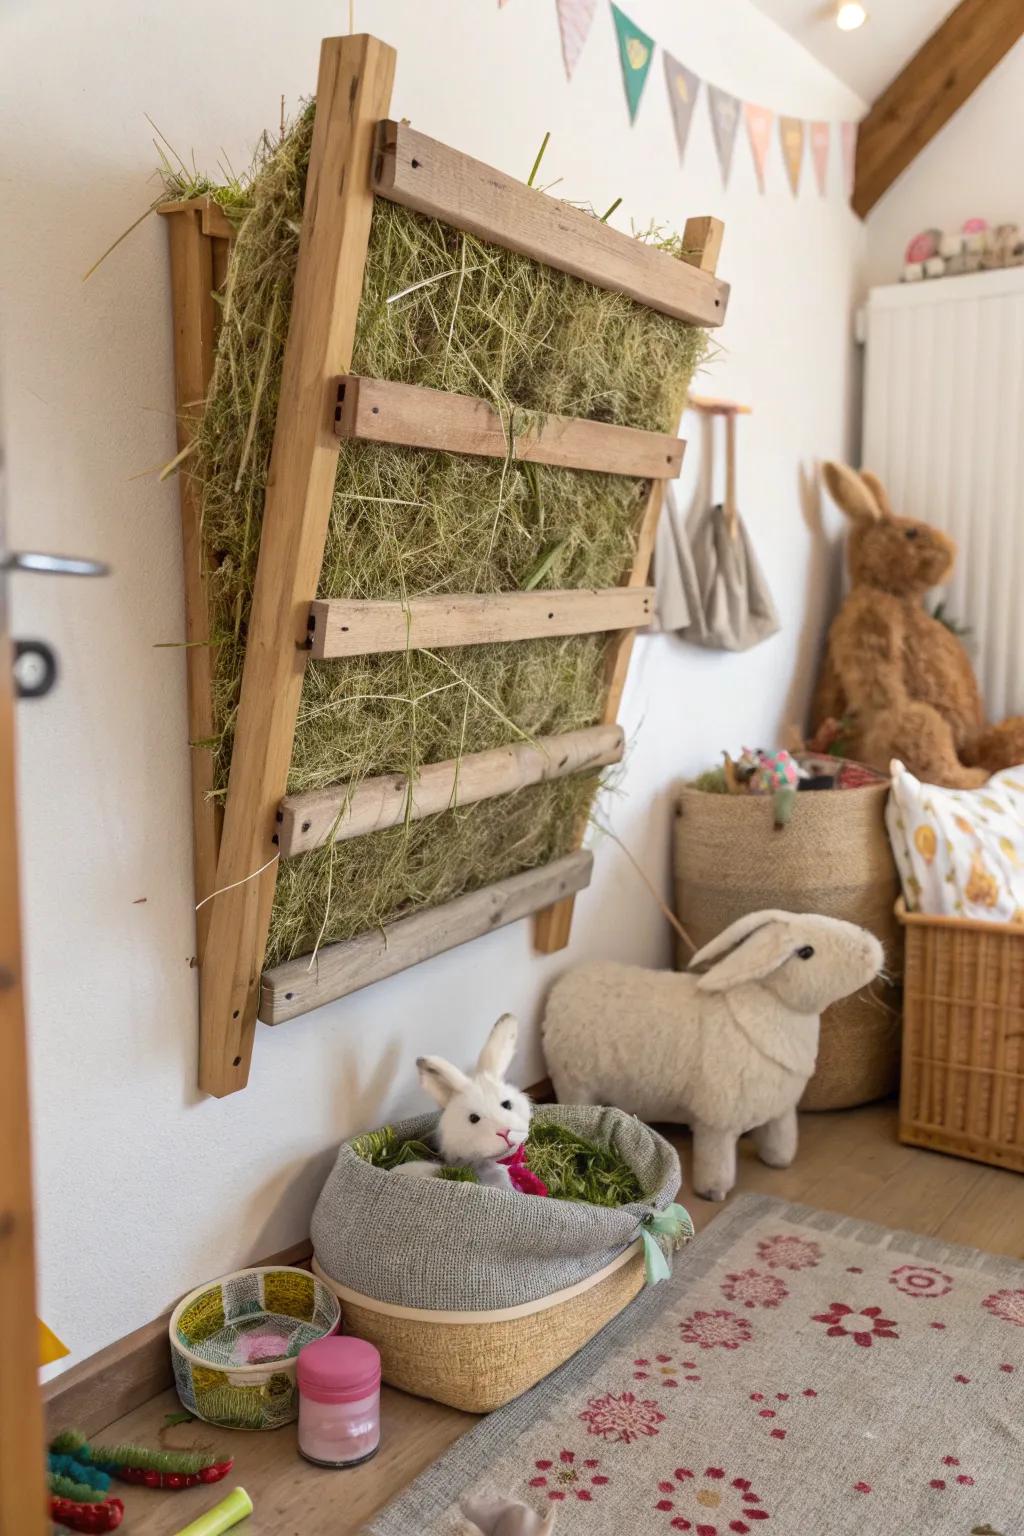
x,y
802,1374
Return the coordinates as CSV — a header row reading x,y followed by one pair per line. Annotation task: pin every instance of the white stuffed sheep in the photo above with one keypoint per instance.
x,y
724,1052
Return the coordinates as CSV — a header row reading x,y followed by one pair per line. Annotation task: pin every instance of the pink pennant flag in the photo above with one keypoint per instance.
x,y
791,137
848,133
574,20
759,131
820,140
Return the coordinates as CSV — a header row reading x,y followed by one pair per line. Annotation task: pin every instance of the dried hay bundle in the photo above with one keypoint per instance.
x,y
442,309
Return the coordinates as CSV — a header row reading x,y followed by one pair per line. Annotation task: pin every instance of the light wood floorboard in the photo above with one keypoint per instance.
x,y
849,1162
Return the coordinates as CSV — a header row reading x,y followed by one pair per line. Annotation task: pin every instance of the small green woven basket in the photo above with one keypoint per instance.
x,y
234,1344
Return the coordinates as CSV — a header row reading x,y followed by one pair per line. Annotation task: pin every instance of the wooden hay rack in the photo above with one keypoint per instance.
x,y
358,154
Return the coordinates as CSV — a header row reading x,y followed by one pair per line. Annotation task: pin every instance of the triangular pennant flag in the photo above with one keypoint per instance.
x,y
759,131
636,50
848,132
683,90
820,140
725,119
574,19
791,136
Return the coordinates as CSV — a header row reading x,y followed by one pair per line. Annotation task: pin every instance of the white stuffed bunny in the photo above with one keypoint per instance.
x,y
483,1118
725,1052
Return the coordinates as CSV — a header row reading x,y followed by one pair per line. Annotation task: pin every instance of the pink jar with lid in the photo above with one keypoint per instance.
x,y
339,1401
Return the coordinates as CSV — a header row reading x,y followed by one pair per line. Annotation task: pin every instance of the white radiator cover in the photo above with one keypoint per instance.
x,y
944,427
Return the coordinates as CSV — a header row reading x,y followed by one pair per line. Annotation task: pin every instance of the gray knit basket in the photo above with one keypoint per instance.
x,y
453,1247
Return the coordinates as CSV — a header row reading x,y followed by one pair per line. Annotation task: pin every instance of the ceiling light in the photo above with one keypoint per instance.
x,y
850,15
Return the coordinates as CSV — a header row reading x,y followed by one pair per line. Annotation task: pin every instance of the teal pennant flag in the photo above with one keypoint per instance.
x,y
636,50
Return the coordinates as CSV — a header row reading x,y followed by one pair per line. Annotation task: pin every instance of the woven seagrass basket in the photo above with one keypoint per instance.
x,y
479,1361
833,857
962,1086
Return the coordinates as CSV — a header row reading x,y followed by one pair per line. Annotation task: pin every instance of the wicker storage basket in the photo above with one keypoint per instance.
x,y
963,1038
471,1294
832,857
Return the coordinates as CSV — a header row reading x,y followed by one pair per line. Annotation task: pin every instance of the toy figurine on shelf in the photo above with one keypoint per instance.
x,y
975,248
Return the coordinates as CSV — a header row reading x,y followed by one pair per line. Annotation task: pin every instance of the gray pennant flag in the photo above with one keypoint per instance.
x,y
725,120
683,90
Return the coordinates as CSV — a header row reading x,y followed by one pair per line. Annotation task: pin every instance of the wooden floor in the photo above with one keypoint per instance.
x,y
848,1161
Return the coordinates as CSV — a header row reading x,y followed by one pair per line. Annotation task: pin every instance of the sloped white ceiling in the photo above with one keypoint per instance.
x,y
869,58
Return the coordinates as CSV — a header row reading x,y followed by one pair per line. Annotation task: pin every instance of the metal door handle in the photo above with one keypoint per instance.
x,y
33,563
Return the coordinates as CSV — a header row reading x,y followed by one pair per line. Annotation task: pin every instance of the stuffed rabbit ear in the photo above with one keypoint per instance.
x,y
505,1517
850,493
878,491
440,1079
748,950
499,1047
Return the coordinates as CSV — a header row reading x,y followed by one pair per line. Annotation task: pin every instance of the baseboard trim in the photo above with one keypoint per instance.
x,y
92,1394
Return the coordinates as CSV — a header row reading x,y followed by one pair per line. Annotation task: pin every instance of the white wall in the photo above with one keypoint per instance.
x,y
971,169
145,1188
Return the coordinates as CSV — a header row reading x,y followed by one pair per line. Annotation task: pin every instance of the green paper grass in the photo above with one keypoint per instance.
x,y
442,309
572,1167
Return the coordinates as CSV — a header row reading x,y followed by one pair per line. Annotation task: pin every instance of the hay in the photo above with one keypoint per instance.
x,y
572,1167
441,309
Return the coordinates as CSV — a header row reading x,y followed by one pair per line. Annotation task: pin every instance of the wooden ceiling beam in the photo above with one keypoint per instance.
x,y
923,97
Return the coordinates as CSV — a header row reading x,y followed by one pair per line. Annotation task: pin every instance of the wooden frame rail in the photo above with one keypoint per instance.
x,y
378,411
433,179
344,626
333,815
355,153
339,969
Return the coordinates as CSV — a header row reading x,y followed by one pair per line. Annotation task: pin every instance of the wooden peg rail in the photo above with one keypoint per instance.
x,y
377,411
357,153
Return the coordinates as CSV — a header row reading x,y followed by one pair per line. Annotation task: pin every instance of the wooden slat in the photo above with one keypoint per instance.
x,y
422,174
702,242
195,321
296,986
215,221
22,1500
923,97
379,411
340,812
353,94
552,928
341,626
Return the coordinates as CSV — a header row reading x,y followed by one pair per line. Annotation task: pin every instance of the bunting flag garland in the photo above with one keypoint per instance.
x,y
759,131
791,137
683,90
574,22
725,119
821,138
636,50
849,146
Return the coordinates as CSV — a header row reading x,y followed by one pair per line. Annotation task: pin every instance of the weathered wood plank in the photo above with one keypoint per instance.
x,y
194,311
925,94
380,411
341,626
422,174
340,812
339,969
353,94
553,926
22,1496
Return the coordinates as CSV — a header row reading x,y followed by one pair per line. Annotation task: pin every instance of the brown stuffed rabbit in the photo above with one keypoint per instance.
x,y
899,677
